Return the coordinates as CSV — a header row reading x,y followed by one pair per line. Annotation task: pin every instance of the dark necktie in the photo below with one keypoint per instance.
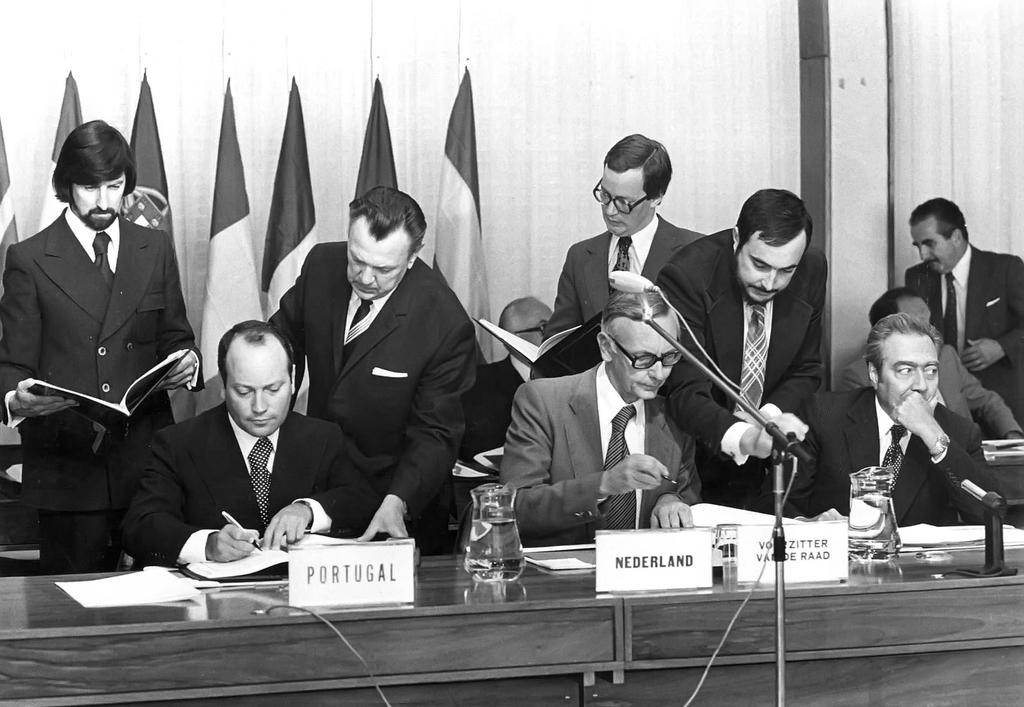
x,y
620,510
260,475
357,327
622,258
755,357
99,247
949,327
894,454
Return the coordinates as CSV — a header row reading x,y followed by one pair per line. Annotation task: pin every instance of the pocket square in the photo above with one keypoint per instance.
x,y
992,301
385,373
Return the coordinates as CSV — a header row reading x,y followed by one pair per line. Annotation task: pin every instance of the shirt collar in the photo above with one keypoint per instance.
x,y
642,239
885,423
85,235
608,398
246,441
963,268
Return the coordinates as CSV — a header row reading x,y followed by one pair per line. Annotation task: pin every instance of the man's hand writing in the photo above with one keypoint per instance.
x,y
287,526
230,543
636,471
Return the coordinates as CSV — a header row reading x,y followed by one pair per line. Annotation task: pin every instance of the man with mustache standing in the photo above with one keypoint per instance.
x,y
976,298
90,303
753,297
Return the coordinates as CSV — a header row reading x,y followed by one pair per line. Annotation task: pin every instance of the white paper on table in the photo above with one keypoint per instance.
x,y
153,585
924,535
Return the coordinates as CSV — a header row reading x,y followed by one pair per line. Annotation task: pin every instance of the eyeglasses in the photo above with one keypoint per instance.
x,y
622,204
643,361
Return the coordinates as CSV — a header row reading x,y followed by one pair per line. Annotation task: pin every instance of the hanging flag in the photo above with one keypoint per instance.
x,y
458,253
70,118
148,205
8,227
377,166
291,229
232,281
8,236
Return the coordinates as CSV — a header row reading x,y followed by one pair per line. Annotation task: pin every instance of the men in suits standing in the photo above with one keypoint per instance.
x,y
900,423
390,352
753,298
596,450
488,404
976,298
90,303
276,472
959,391
637,171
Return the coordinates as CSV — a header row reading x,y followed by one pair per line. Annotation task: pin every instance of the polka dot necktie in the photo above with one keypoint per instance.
x,y
260,475
894,454
622,257
620,510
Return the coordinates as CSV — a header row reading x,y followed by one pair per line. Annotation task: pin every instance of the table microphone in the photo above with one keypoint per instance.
x,y
625,281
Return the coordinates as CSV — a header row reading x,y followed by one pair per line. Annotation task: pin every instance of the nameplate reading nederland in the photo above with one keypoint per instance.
x,y
352,574
641,560
815,552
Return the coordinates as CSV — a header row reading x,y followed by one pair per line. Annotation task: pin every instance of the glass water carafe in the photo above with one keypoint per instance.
x,y
873,531
491,542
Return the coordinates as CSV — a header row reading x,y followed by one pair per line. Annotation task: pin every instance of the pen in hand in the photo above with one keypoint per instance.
x,y
228,517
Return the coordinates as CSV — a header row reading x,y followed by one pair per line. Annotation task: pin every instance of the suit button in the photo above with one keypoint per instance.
x,y
129,346
102,351
105,387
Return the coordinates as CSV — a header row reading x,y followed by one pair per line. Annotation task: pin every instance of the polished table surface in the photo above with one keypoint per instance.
x,y
902,634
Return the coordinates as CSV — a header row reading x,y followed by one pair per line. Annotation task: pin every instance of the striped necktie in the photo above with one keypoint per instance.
x,y
359,321
619,511
755,356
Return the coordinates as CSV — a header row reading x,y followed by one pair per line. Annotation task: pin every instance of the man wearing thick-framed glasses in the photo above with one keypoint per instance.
x,y
596,450
637,171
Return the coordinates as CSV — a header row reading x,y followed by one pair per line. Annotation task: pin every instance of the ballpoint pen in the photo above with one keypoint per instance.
x,y
228,517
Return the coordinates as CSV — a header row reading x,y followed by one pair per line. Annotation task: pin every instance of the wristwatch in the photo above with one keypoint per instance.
x,y
941,445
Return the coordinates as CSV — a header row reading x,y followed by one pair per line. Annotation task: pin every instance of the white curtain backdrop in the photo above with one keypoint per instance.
x,y
958,85
555,85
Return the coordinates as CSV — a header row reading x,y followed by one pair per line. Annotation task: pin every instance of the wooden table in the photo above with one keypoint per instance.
x,y
901,638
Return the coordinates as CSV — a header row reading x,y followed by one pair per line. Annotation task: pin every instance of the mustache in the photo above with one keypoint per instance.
x,y
101,212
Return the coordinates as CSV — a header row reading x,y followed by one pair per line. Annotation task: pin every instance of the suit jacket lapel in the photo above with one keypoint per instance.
x,y
70,269
135,263
725,316
661,248
339,294
978,277
861,434
386,321
582,431
658,443
596,271
290,479
223,469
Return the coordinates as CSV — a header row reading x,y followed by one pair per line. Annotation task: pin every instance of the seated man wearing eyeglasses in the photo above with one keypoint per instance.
x,y
637,171
488,404
596,450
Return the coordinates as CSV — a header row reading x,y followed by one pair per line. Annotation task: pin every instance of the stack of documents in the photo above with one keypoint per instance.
x,y
154,585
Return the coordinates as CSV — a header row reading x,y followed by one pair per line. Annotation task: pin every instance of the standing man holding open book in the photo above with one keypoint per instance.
x,y
90,302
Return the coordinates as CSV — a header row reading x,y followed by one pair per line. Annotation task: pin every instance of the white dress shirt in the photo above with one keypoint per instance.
x,y
638,250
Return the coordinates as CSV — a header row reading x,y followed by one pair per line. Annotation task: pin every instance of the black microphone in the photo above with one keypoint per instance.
x,y
625,281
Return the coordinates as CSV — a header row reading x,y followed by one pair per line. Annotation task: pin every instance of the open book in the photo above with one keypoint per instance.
x,y
101,410
571,351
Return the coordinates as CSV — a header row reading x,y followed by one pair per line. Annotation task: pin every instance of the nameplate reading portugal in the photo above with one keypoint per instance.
x,y
815,552
352,574
643,560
